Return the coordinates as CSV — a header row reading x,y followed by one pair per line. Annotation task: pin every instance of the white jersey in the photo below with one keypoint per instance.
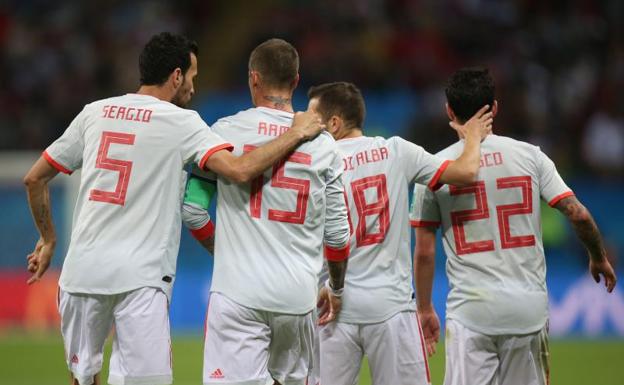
x,y
377,175
269,233
126,225
492,236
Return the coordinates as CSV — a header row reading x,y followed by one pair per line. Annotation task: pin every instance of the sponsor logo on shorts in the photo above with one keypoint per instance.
x,y
74,359
217,374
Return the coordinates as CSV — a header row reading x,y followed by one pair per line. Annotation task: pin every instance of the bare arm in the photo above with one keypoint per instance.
x,y
424,268
36,181
306,125
586,229
464,169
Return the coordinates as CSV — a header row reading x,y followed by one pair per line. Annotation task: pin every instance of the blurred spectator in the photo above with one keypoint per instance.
x,y
549,59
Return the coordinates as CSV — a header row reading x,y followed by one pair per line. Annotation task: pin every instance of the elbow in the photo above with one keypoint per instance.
x,y
466,177
239,175
30,181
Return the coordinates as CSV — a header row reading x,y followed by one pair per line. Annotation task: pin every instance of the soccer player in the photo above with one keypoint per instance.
x,y
497,307
269,238
120,266
378,316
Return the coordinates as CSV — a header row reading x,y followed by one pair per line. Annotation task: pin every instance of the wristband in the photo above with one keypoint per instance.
x,y
335,292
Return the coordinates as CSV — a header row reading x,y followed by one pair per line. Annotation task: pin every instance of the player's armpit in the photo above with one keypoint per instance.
x,y
586,229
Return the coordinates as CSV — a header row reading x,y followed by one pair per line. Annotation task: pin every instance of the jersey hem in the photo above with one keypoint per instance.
x,y
270,309
59,167
498,332
209,153
384,318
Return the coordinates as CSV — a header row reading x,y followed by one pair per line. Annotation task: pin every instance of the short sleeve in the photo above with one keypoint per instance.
x,y
424,211
551,185
65,154
420,166
201,143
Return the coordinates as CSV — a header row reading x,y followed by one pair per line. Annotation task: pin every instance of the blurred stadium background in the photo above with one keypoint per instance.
x,y
559,68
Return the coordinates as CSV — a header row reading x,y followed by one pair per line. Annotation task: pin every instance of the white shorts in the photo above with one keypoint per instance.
x,y
395,350
141,343
475,358
252,347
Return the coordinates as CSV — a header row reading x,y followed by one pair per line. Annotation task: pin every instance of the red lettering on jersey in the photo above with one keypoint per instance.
x,y
262,128
120,113
384,153
139,110
359,157
147,116
129,114
111,111
273,129
491,159
283,129
105,111
375,155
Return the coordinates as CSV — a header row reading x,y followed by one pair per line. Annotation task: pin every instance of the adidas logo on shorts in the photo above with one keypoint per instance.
x,y
74,359
217,374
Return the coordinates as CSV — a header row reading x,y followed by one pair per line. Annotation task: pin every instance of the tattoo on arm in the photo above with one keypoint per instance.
x,y
278,101
337,272
584,226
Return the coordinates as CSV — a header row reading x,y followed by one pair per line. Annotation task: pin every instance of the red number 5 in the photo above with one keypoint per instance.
x,y
123,167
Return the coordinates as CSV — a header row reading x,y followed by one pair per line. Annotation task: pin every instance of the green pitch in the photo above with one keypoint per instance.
x,y
29,360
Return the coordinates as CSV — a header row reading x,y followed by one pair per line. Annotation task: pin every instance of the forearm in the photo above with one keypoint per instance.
x,y
584,226
208,244
464,169
337,271
424,268
253,163
39,203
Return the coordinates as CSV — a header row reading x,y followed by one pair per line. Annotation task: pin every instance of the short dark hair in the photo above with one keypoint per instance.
x,y
342,99
468,90
162,55
277,61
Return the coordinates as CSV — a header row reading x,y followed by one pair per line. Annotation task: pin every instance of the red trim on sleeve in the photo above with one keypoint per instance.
x,y
208,154
433,184
559,197
336,255
207,231
55,164
424,223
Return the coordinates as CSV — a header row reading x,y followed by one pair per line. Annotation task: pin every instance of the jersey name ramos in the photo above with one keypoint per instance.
x,y
270,232
492,236
126,225
377,175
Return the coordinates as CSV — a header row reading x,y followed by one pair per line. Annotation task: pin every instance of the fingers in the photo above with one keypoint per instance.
x,y
596,276
610,281
482,111
35,278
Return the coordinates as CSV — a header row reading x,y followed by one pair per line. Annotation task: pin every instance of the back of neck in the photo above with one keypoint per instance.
x,y
277,100
155,91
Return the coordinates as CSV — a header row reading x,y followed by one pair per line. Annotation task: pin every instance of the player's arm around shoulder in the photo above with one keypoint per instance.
x,y
306,125
587,231
464,169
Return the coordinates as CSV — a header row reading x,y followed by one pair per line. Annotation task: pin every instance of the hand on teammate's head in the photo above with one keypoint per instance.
x,y
480,123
